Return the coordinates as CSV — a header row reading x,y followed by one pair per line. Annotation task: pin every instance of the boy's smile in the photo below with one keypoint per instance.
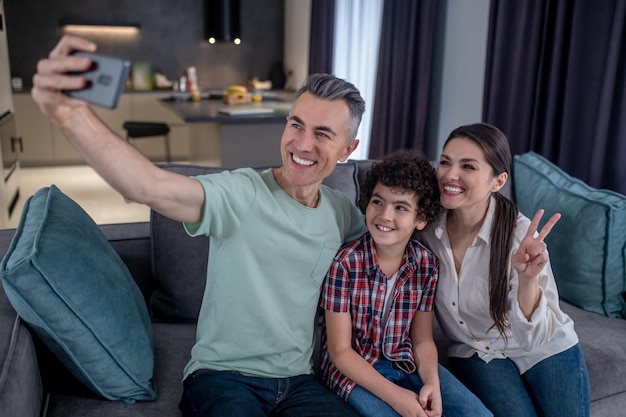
x,y
391,217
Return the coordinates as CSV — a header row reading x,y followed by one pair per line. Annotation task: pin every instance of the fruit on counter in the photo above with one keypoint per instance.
x,y
237,94
233,89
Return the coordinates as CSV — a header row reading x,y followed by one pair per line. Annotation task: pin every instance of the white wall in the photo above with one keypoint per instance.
x,y
459,68
297,31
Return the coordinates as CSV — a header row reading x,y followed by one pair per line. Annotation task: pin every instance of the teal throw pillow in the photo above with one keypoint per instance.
x,y
588,245
66,281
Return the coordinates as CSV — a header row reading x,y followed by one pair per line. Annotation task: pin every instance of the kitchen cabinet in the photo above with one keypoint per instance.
x,y
35,130
65,153
45,144
9,141
10,168
250,138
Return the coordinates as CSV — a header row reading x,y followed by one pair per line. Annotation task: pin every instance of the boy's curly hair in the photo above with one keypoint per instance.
x,y
405,170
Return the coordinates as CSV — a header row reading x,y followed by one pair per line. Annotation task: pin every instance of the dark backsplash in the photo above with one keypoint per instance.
x,y
170,37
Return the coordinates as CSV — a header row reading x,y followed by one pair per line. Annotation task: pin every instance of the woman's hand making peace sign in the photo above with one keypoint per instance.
x,y
529,260
531,256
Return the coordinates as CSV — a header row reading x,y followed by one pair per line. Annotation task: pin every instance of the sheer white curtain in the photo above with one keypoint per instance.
x,y
355,56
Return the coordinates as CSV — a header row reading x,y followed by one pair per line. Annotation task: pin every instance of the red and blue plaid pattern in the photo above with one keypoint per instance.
x,y
356,284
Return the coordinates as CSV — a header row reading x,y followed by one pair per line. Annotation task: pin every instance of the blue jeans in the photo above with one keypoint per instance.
x,y
457,400
230,394
557,386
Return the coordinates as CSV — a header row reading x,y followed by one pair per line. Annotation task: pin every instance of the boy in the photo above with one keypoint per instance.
x,y
378,351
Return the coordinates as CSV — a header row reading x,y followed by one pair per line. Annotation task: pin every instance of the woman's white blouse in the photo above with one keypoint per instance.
x,y
462,303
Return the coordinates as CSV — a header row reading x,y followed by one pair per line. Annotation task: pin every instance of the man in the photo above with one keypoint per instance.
x,y
274,235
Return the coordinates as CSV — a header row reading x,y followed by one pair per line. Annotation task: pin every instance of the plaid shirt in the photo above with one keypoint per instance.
x,y
356,284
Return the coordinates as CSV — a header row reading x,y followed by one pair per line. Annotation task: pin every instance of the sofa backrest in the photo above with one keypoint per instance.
x,y
179,262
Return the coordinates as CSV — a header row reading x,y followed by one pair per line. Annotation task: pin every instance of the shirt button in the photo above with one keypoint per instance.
x,y
454,303
488,348
461,322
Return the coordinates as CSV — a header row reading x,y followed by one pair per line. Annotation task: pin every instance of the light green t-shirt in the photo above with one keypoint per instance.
x,y
267,259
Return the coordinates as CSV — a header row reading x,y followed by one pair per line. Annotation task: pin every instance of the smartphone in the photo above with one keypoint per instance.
x,y
106,79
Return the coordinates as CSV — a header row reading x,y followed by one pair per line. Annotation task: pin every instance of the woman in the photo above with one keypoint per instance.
x,y
497,298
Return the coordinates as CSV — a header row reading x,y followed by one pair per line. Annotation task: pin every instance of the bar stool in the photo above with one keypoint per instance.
x,y
148,129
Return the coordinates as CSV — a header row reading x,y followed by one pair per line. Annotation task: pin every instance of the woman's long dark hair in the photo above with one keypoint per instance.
x,y
495,147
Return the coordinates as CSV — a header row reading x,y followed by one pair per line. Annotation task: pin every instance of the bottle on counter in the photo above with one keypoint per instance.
x,y
192,78
182,84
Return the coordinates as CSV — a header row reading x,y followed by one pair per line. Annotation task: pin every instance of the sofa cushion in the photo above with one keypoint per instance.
x,y
180,261
173,342
345,178
603,341
64,279
588,245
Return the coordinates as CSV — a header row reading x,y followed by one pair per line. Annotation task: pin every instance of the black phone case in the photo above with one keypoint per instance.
x,y
105,80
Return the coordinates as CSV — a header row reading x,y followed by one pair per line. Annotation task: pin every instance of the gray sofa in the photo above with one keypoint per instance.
x,y
169,268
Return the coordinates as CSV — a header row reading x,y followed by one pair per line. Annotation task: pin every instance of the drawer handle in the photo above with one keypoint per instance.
x,y
18,141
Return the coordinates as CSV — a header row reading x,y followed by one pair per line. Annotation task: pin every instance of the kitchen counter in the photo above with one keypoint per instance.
x,y
208,111
244,140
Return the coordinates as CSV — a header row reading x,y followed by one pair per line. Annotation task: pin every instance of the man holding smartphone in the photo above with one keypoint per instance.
x,y
254,342
106,79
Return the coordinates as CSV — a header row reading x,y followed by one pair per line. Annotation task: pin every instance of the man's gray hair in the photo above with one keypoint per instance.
x,y
329,87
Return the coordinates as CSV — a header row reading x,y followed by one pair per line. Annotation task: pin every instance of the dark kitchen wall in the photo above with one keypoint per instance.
x,y
170,38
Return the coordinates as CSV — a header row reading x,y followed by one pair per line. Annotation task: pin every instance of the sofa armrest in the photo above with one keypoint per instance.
x,y
21,390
